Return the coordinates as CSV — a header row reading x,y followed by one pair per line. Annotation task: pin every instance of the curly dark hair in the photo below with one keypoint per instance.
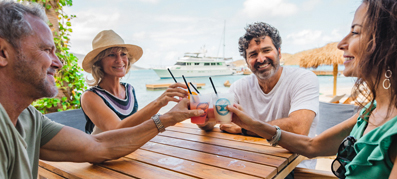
x,y
379,50
257,30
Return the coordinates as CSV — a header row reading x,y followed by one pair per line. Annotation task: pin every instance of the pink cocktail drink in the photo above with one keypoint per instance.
x,y
200,102
210,111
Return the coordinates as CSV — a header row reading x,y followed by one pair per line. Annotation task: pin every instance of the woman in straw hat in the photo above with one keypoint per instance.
x,y
365,144
111,104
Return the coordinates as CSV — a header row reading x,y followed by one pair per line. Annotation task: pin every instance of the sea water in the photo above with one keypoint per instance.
x,y
139,79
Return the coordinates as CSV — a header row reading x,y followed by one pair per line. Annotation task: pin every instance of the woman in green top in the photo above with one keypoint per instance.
x,y
366,143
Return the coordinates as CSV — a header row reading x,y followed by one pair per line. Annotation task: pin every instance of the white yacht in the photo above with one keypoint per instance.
x,y
197,65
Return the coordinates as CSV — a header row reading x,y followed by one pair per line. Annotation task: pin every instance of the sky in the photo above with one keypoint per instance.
x,y
166,29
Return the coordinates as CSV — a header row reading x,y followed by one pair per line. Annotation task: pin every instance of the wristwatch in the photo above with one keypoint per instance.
x,y
159,125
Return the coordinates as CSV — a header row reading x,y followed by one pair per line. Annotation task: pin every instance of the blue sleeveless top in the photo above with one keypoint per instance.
x,y
122,107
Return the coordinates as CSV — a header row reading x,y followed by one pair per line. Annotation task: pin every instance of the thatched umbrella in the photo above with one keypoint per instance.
x,y
327,55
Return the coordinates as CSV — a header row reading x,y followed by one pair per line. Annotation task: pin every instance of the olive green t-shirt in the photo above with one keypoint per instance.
x,y
20,144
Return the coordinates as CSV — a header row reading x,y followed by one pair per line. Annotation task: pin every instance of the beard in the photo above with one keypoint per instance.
x,y
34,79
268,73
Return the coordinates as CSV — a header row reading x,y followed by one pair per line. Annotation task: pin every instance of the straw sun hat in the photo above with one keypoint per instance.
x,y
107,39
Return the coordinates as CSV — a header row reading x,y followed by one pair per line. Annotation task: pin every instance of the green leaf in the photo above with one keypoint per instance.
x,y
70,75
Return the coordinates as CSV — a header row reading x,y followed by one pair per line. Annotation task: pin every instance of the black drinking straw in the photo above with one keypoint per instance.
x,y
194,88
188,87
172,75
213,86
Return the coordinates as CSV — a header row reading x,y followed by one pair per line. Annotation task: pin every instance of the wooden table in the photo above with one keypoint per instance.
x,y
185,151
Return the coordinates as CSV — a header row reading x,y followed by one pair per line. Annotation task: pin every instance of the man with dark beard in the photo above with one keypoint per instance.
x,y
27,67
282,96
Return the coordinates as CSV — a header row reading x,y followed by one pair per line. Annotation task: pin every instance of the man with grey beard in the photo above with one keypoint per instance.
x,y
27,67
285,97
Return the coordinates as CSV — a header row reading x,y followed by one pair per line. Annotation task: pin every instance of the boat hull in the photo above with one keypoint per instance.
x,y
163,73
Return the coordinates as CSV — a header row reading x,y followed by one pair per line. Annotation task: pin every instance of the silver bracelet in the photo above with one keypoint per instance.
x,y
276,138
159,125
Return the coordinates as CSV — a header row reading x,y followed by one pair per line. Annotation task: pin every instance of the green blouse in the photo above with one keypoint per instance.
x,y
372,159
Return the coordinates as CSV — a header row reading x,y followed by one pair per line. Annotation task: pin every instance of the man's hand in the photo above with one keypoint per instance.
x,y
231,128
179,113
209,121
174,90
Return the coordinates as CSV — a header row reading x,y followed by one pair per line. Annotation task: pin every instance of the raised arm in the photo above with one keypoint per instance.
x,y
325,144
74,145
104,118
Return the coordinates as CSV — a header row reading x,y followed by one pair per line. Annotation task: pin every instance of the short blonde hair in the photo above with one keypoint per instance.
x,y
97,70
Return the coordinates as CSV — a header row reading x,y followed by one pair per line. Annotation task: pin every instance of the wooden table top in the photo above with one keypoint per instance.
x,y
185,151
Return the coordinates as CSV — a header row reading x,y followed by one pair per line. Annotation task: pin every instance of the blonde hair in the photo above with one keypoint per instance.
x,y
97,70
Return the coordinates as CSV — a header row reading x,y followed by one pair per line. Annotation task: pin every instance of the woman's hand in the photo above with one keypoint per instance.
x,y
174,90
241,118
209,121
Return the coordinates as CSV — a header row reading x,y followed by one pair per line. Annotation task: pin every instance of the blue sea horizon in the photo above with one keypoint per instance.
x,y
139,79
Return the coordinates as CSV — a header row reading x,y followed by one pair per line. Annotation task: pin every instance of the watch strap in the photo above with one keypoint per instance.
x,y
159,125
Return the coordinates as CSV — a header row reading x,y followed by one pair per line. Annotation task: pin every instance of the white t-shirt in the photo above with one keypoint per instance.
x,y
296,89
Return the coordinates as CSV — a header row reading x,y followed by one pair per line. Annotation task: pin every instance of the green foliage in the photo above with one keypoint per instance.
x,y
69,80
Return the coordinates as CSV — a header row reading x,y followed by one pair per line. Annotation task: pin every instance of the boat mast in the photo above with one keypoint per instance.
x,y
224,29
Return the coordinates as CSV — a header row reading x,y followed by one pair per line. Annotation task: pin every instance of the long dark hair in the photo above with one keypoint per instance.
x,y
379,53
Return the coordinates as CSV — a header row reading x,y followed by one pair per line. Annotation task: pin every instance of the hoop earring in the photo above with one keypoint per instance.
x,y
388,74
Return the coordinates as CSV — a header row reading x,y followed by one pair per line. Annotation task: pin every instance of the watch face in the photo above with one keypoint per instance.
x,y
220,106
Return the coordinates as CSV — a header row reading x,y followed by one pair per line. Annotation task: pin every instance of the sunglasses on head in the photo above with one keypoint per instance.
x,y
345,155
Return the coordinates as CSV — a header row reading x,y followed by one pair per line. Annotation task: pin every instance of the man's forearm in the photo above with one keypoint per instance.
x,y
140,116
118,143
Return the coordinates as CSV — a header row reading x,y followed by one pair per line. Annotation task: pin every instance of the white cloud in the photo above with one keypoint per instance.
x,y
259,8
175,19
170,42
89,22
140,35
335,36
304,37
308,39
150,1
310,4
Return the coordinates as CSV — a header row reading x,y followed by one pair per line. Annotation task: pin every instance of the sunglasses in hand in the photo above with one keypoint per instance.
x,y
345,155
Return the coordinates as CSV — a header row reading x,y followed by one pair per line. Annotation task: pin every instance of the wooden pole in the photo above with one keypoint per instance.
x,y
335,77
